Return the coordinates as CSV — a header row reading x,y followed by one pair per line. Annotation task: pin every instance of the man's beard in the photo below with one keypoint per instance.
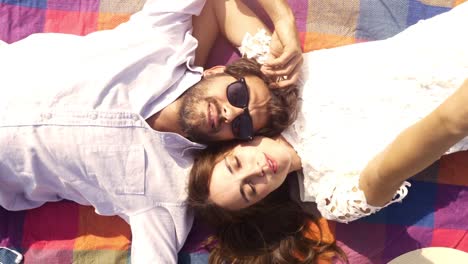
x,y
191,116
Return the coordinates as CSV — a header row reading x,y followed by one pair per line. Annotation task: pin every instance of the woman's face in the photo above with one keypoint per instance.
x,y
249,172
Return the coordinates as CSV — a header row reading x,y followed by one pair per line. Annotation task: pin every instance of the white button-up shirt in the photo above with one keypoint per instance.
x,y
72,123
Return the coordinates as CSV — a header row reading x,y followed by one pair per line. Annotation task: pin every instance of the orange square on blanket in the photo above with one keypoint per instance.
x,y
70,22
322,231
101,232
315,41
457,2
111,20
453,169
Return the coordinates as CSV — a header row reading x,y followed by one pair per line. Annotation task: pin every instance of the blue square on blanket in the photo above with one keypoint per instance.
x,y
27,3
381,19
418,10
416,209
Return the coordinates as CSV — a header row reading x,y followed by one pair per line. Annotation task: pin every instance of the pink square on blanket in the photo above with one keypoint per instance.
x,y
452,238
71,22
18,22
51,232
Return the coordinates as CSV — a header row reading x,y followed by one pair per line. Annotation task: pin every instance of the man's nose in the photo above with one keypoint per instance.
x,y
231,112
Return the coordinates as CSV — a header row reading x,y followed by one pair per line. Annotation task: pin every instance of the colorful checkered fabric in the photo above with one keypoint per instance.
x,y
433,214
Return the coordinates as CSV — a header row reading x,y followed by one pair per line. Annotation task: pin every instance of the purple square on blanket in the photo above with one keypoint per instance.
x,y
381,19
450,207
18,22
300,9
418,10
401,239
363,242
221,54
11,228
73,5
27,3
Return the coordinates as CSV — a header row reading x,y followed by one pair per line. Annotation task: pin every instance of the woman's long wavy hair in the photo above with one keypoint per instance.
x,y
271,231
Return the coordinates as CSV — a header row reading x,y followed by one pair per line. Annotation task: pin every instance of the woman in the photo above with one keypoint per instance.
x,y
353,102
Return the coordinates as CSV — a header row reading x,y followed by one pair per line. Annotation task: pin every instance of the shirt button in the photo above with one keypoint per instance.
x,y
46,115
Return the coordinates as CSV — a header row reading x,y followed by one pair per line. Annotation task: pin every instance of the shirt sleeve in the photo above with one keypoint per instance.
x,y
163,13
343,201
192,7
159,234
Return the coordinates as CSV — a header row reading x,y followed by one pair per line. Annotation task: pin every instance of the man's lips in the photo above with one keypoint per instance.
x,y
213,119
271,163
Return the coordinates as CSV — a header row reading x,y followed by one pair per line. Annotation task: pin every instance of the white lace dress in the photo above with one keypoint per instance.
x,y
356,99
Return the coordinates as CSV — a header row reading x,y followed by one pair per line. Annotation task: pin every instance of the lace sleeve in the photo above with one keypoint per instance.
x,y
256,47
343,201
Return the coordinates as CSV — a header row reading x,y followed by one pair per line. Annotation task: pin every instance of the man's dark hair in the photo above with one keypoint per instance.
x,y
282,107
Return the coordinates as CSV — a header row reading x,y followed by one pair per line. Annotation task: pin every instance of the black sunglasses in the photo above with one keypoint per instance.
x,y
238,96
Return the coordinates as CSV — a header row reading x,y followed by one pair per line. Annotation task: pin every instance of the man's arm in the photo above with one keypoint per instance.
x,y
234,19
158,234
416,148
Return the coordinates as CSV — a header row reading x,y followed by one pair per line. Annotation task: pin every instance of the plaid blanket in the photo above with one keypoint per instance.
x,y
433,214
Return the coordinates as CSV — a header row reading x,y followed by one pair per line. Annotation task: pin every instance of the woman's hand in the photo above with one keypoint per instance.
x,y
287,58
285,45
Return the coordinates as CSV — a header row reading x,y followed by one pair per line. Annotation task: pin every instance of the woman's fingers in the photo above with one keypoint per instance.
x,y
287,80
286,76
287,69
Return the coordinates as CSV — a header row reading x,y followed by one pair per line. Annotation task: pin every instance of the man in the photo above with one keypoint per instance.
x,y
96,120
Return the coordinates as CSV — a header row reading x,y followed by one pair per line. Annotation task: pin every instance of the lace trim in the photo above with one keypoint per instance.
x,y
256,47
346,202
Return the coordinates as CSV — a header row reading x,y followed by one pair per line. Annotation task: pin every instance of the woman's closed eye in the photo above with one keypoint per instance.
x,y
252,187
232,163
247,190
237,161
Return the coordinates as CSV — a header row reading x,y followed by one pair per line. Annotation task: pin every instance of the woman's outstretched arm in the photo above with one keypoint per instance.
x,y
416,148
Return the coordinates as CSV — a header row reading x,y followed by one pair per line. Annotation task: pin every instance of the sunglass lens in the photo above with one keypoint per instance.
x,y
237,94
242,127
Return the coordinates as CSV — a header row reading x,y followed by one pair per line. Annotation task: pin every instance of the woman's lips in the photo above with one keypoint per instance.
x,y
271,163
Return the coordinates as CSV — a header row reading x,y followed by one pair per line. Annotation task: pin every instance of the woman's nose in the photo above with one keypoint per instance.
x,y
250,173
254,167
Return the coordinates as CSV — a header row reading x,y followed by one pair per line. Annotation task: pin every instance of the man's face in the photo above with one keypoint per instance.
x,y
206,114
